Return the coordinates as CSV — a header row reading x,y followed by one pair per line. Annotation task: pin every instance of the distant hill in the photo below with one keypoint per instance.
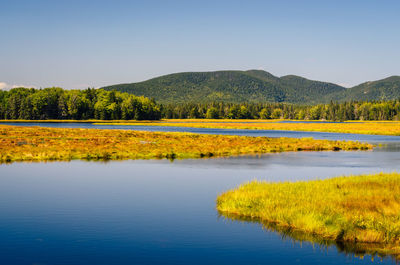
x,y
227,86
302,90
385,89
253,86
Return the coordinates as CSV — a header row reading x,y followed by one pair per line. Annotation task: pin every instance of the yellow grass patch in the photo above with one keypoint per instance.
x,y
357,209
39,144
376,127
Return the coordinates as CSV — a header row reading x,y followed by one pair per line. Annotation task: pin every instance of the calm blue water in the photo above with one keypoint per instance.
x,y
161,212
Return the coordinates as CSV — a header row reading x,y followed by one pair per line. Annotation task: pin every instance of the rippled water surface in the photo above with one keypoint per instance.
x,y
163,212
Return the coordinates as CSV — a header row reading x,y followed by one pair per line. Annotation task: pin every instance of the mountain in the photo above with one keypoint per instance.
x,y
254,86
385,89
302,90
228,86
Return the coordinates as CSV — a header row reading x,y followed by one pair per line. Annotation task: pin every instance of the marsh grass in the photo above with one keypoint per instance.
x,y
357,127
369,127
43,144
362,210
74,121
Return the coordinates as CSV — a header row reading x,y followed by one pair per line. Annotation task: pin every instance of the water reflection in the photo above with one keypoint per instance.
x,y
155,211
359,250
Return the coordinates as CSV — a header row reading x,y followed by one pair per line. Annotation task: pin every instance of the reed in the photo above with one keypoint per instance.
x,y
363,210
41,144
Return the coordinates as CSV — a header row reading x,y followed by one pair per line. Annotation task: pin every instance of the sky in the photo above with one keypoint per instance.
x,y
79,44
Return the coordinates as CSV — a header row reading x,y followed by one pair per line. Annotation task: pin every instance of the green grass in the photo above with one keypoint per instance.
x,y
363,210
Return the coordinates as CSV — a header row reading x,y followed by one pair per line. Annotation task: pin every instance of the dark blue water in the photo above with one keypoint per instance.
x,y
161,212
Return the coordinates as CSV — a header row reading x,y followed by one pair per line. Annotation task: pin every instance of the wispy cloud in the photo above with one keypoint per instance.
x,y
4,85
15,86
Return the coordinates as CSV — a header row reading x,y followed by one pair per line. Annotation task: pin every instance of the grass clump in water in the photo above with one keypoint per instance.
x,y
364,210
41,144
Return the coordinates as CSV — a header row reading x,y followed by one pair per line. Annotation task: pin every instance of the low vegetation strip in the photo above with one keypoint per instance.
x,y
377,128
358,209
41,144
365,127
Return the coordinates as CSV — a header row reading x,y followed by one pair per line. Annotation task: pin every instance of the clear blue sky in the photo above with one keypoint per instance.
x,y
76,44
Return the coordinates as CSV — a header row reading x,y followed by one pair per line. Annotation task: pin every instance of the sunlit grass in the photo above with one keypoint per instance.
x,y
357,209
75,121
370,127
40,144
357,127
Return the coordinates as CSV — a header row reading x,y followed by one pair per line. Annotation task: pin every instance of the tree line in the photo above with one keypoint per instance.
x,y
352,110
57,103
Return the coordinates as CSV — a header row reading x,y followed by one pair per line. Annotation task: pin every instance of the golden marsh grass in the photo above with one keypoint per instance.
x,y
41,144
361,209
356,127
369,127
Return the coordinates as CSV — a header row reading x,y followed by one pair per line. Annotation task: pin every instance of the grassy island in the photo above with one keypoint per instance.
x,y
358,209
41,144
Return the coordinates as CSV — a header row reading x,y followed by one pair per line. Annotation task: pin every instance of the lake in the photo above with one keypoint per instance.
x,y
163,212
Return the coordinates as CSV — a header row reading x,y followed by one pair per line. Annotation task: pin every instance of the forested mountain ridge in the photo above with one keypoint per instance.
x,y
384,89
255,86
307,91
230,86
